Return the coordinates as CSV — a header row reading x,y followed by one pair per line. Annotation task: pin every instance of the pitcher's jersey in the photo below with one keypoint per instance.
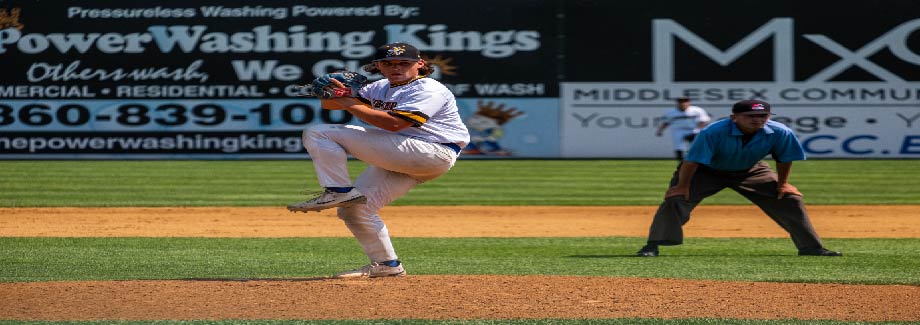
x,y
425,102
685,120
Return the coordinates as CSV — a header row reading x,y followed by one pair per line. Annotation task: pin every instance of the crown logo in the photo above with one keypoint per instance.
x,y
443,64
499,113
10,18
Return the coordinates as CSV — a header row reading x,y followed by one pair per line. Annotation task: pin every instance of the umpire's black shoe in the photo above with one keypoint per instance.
x,y
648,251
819,252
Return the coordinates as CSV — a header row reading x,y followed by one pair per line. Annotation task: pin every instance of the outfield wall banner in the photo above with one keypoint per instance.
x,y
148,128
844,120
199,80
518,127
849,86
744,41
233,129
237,49
172,72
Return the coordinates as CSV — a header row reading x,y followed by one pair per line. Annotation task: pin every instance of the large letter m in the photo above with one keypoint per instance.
x,y
663,47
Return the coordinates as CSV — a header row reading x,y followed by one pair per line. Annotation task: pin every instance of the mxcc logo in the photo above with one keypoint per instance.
x,y
782,32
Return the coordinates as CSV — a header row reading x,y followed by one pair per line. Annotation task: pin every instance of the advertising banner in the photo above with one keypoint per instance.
x,y
848,87
175,79
843,120
217,79
233,129
503,128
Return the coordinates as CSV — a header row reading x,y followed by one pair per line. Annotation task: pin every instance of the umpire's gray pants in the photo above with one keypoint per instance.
x,y
758,184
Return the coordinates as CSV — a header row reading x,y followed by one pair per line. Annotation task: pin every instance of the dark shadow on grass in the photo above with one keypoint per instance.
x,y
257,279
681,255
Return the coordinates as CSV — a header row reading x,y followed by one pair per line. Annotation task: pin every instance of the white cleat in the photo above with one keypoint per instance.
x,y
329,199
373,270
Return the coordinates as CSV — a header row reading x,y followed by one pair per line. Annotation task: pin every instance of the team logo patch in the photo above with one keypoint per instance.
x,y
396,50
757,107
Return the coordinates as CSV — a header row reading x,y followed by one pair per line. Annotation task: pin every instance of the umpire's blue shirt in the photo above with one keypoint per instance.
x,y
719,146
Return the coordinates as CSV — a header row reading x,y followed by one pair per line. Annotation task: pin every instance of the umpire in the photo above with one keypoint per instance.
x,y
728,153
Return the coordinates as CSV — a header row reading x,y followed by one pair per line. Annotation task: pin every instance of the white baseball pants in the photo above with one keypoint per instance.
x,y
397,164
678,138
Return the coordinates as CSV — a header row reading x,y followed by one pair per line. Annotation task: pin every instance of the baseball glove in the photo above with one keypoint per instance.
x,y
323,88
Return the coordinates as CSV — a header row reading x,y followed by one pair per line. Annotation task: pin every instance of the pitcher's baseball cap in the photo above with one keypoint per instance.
x,y
397,51
751,107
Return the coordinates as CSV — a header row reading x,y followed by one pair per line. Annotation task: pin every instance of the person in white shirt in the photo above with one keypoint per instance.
x,y
417,136
684,122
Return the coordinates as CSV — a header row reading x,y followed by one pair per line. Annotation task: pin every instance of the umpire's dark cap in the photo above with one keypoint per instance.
x,y
751,107
397,51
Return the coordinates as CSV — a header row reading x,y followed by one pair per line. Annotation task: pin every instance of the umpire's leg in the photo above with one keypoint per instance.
x,y
760,187
674,212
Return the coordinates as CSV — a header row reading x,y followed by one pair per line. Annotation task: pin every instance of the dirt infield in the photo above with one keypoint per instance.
x,y
450,297
849,221
454,297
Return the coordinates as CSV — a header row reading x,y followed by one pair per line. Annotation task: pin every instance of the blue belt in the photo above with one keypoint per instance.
x,y
452,146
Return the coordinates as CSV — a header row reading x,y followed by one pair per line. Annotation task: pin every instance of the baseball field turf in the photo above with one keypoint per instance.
x,y
470,182
35,265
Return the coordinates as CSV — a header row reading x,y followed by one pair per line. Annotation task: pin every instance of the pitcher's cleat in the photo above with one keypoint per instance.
x,y
329,199
373,270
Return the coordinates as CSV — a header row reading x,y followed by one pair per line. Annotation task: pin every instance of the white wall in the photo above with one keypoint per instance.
x,y
832,120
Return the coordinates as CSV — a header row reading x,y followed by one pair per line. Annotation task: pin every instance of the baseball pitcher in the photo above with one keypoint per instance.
x,y
417,136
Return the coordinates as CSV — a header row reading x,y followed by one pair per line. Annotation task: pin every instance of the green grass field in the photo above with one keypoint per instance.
x,y
868,261
471,182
